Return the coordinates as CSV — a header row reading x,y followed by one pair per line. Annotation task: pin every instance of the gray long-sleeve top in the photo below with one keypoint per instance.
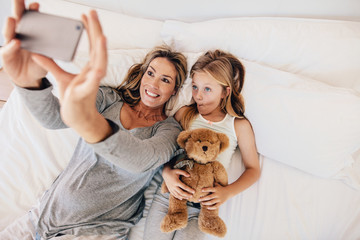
x,y
101,189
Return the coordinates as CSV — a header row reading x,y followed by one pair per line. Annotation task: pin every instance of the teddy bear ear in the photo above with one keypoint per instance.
x,y
183,137
224,141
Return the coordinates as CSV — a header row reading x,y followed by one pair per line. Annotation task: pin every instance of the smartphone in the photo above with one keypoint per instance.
x,y
53,36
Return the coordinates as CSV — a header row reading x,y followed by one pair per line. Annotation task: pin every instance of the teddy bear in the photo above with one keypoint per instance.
x,y
202,146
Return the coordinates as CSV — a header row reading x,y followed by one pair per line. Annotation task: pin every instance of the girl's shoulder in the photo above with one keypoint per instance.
x,y
242,125
180,113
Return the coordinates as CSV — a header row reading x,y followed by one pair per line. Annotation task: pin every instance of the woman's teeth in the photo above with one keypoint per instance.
x,y
151,94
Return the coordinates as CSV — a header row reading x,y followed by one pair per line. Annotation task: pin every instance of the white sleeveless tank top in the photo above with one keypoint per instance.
x,y
225,126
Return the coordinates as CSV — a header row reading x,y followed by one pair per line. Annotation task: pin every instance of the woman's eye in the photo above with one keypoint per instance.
x,y
165,80
194,87
207,89
150,73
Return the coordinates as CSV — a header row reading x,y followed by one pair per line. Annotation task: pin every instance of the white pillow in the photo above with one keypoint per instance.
x,y
325,50
122,31
297,121
301,122
119,62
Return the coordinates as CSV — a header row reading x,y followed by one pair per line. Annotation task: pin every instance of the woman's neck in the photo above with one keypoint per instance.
x,y
148,113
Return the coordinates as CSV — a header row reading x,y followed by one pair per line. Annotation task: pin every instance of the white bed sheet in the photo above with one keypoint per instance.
x,y
285,203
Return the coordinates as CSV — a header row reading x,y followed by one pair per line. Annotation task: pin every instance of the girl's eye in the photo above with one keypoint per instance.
x,y
194,87
207,89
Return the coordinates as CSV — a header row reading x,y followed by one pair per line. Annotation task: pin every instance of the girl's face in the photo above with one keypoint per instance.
x,y
207,93
158,83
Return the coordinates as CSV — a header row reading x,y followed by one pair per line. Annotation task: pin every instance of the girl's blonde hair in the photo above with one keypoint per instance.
x,y
228,72
129,90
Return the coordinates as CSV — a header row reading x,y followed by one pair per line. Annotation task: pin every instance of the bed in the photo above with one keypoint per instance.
x,y
302,96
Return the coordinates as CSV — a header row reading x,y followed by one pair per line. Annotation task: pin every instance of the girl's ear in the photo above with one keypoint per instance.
x,y
226,92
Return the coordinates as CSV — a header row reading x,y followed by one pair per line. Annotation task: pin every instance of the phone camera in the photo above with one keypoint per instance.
x,y
78,27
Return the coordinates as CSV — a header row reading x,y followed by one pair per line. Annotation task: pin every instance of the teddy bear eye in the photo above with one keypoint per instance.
x,y
199,141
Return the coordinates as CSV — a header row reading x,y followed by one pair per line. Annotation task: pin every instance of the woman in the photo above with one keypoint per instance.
x,y
125,135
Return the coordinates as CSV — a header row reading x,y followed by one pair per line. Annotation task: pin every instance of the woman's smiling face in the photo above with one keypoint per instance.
x,y
158,83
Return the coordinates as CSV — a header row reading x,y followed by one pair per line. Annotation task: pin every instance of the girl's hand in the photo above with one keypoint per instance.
x,y
218,195
17,62
176,187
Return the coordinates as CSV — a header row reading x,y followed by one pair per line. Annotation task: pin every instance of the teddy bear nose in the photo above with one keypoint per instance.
x,y
205,148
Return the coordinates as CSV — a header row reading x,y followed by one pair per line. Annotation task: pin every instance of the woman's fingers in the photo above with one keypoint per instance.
x,y
9,29
10,50
61,76
100,61
86,26
18,9
48,64
95,34
98,51
97,66
34,6
94,25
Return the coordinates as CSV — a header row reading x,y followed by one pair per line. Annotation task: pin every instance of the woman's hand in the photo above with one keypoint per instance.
x,y
77,93
176,187
17,62
217,196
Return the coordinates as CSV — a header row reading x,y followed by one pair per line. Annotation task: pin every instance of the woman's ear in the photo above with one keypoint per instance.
x,y
227,91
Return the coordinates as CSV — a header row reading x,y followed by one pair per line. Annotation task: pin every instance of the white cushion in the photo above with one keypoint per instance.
x,y
325,50
301,122
298,121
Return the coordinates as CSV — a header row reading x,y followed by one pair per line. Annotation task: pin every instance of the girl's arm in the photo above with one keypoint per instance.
x,y
246,142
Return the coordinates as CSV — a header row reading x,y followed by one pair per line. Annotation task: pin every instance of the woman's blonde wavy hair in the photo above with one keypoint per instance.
x,y
129,90
228,72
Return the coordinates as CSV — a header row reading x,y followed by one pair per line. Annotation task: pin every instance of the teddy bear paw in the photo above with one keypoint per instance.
x,y
213,225
174,221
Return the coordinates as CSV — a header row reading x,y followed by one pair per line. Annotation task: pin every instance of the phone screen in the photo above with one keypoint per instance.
x,y
53,36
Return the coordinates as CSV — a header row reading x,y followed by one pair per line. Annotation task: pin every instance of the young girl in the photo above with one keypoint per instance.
x,y
217,80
